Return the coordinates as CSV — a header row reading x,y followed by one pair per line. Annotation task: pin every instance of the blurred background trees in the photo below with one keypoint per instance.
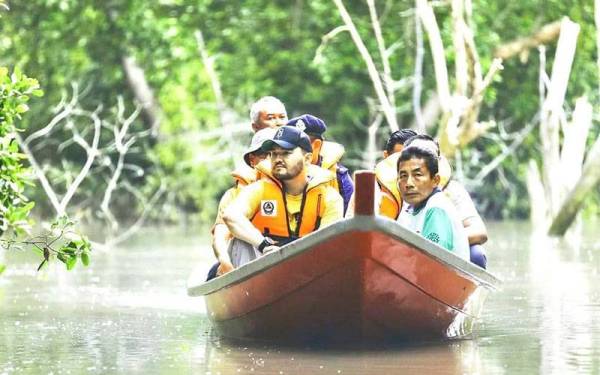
x,y
114,59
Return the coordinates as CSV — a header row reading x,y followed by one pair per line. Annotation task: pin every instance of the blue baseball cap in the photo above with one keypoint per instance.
x,y
309,124
288,137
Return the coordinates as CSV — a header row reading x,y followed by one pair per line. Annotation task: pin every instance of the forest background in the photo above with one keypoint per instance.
x,y
145,105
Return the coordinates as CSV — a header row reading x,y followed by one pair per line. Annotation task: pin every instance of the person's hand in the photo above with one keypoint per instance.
x,y
270,249
224,267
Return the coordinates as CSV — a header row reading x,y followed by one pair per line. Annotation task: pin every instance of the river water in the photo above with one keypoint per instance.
x,y
129,313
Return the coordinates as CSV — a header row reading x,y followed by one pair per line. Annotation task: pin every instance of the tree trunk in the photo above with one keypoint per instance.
x,y
136,79
552,113
572,204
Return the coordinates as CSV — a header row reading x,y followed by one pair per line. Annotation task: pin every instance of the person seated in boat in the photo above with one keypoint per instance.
x,y
390,200
326,154
395,143
267,112
460,197
429,212
291,202
242,176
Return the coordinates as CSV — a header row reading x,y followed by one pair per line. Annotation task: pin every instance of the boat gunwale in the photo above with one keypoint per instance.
x,y
357,223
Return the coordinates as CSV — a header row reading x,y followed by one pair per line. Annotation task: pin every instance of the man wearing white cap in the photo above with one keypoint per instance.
x,y
242,176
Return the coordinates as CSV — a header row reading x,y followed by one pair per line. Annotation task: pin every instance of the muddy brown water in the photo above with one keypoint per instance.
x,y
129,313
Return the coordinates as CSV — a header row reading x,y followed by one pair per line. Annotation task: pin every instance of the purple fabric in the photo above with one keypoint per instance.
x,y
478,256
212,273
345,183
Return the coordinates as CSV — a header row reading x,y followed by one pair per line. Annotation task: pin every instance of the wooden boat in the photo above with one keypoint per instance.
x,y
364,278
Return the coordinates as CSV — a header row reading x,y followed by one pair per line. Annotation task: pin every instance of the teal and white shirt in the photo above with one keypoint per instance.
x,y
438,221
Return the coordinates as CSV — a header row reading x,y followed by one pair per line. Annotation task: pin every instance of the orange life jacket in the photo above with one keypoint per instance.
x,y
245,175
331,153
386,173
272,220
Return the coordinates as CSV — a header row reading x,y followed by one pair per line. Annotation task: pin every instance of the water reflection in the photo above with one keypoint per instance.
x,y
561,283
218,356
129,313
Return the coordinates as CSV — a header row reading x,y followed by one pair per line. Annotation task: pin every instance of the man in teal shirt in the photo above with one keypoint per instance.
x,y
429,213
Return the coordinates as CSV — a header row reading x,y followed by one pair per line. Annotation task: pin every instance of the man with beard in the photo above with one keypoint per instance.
x,y
291,202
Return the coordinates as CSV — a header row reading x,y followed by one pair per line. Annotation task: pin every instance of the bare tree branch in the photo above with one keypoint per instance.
x,y
491,166
122,148
385,61
425,12
208,62
458,39
325,41
418,77
148,205
386,106
545,35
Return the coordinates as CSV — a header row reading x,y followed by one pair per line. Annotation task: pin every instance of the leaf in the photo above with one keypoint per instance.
x,y
71,262
2,268
22,108
85,259
69,250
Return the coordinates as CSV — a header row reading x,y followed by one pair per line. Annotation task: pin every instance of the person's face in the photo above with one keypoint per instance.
x,y
256,157
271,115
398,147
287,164
415,182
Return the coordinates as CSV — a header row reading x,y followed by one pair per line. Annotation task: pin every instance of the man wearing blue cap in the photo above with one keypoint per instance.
x,y
326,154
291,202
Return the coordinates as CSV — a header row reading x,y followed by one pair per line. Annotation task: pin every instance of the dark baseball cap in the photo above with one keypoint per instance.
x,y
288,137
309,124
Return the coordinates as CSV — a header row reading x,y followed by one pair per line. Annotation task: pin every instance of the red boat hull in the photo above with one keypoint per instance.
x,y
365,278
360,284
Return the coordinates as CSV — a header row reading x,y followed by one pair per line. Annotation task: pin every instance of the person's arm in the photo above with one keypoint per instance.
x,y
476,230
472,222
221,235
438,228
334,207
220,245
237,216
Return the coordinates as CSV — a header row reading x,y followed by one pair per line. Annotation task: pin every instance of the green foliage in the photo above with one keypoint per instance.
x,y
15,91
61,241
265,47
